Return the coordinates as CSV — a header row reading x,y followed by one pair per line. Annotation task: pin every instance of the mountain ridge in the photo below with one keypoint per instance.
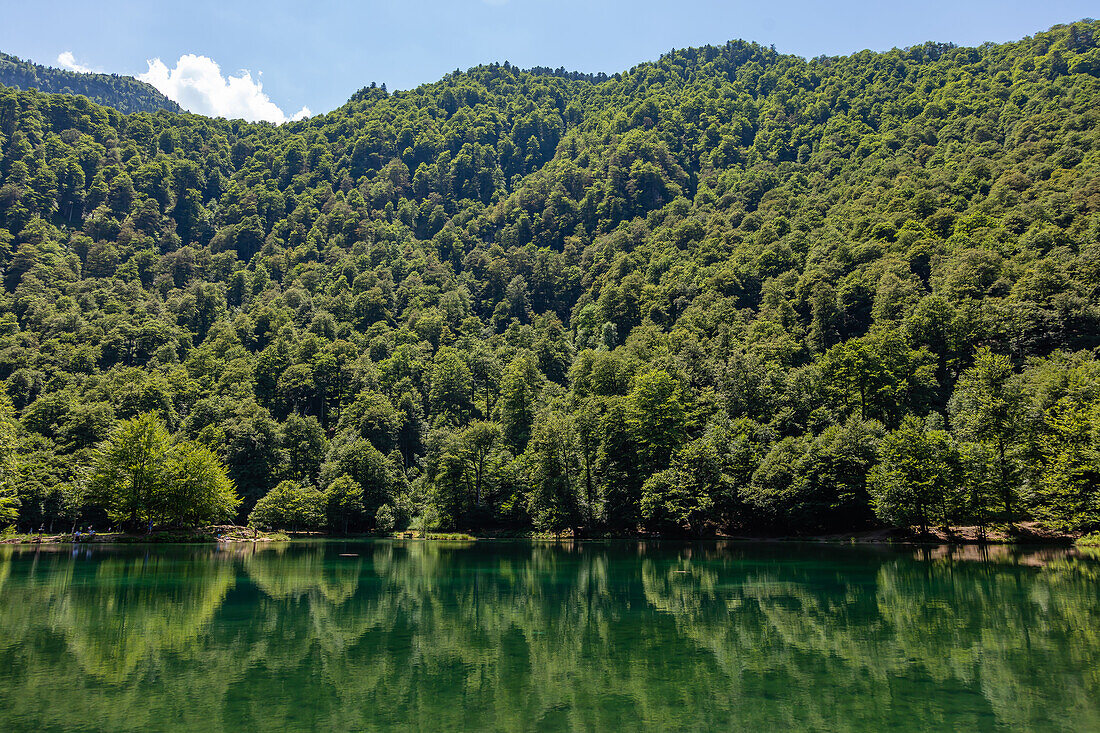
x,y
124,93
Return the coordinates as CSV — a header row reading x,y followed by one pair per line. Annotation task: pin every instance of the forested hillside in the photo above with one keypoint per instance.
x,y
124,93
730,290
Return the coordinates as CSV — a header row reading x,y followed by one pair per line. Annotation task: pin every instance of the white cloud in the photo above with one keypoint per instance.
x,y
197,84
67,61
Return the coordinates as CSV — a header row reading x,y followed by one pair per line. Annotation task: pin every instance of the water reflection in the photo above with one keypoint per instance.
x,y
502,636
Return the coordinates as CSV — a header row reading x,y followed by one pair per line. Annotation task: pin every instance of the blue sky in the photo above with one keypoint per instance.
x,y
315,53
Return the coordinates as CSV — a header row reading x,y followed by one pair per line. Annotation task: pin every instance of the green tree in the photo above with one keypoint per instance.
x,y
985,408
816,483
344,502
451,385
681,498
555,472
778,490
384,519
519,391
130,470
303,446
981,483
253,455
656,418
197,490
1068,494
373,416
880,373
918,478
9,455
469,473
372,484
479,450
139,476
586,418
617,468
289,505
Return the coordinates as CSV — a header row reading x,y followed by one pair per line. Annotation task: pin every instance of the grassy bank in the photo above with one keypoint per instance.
x,y
200,535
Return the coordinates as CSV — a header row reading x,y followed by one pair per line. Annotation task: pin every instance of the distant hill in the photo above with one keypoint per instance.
x,y
124,93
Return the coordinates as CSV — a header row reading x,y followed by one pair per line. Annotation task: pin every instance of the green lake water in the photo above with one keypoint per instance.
x,y
542,637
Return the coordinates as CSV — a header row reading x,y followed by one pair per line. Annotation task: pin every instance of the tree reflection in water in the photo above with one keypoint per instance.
x,y
520,636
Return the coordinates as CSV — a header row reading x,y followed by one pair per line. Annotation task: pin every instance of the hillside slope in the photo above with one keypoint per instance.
x,y
124,93
727,290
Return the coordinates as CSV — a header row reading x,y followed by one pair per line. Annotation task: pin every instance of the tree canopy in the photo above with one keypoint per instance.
x,y
715,292
140,477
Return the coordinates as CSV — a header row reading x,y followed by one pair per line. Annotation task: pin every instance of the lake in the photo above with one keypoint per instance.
x,y
518,636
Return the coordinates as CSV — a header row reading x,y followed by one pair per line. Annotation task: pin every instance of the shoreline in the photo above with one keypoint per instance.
x,y
1023,534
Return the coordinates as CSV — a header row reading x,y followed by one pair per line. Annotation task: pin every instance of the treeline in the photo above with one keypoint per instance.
x,y
730,290
124,93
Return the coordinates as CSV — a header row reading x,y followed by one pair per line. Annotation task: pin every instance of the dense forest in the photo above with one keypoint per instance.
x,y
124,93
727,291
